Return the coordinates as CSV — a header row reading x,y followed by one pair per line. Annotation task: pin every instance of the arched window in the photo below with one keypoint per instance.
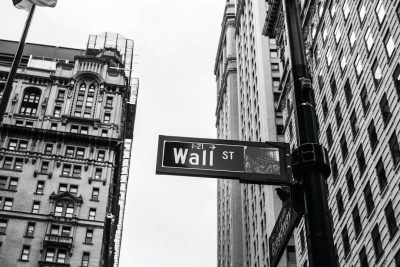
x,y
30,102
84,103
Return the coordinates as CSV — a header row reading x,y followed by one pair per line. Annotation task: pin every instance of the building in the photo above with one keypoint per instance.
x,y
247,74
353,56
65,149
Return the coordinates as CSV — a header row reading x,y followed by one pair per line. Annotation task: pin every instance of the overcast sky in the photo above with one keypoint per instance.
x,y
170,221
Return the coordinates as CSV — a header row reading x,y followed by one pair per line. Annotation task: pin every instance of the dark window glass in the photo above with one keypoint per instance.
x,y
343,146
325,109
363,257
396,78
329,137
346,241
364,99
361,160
369,200
350,182
394,149
338,115
357,221
333,86
334,169
376,240
385,109
339,203
347,92
397,256
391,219
373,137
376,73
381,174
77,171
354,123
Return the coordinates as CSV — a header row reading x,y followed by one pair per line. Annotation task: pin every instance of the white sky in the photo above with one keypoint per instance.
x,y
170,221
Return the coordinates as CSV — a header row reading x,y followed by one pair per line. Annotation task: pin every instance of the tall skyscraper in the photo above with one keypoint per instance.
x,y
247,71
353,56
65,150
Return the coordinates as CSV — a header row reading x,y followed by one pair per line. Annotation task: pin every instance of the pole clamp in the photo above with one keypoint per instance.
x,y
310,156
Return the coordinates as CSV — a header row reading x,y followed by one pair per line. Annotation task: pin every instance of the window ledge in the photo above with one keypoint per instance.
x,y
85,243
68,176
39,194
29,236
23,260
95,200
9,190
15,170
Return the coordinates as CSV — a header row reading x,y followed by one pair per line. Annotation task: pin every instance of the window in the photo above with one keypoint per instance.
x,y
339,203
329,58
50,254
85,259
97,174
45,167
25,252
40,187
7,164
361,160
357,221
66,170
275,66
394,149
92,214
12,144
18,164
30,102
29,124
358,65
89,236
84,130
347,92
343,147
30,229
396,78
74,128
332,8
8,203
369,200
391,219
70,151
373,138
69,211
376,240
109,101
389,44
334,169
62,188
3,226
61,256
302,242
76,172
107,117
35,206
346,10
66,231
350,182
101,155
48,149
73,189
338,115
369,39
346,241
343,61
377,73
60,96
361,11
53,127
380,11
364,99
333,86
95,194
23,145
363,258
273,53
8,183
381,174
352,37
325,107
57,112
104,133
80,152
385,109
275,82
338,34
320,80
329,137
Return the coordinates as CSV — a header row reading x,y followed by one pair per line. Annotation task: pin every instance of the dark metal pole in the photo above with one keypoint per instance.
x,y
310,160
14,67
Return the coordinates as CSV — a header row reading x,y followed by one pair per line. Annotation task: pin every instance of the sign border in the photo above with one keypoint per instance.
x,y
284,178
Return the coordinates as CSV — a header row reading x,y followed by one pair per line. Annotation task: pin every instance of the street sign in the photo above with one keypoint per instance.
x,y
255,162
289,217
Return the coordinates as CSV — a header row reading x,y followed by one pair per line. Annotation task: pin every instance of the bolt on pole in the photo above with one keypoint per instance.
x,y
310,160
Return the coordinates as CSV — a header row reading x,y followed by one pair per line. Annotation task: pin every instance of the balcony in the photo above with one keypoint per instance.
x,y
53,264
58,240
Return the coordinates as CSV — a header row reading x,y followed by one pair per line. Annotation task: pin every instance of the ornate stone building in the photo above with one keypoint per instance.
x,y
64,153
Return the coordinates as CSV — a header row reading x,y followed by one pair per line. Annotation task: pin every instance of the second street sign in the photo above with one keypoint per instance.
x,y
255,162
